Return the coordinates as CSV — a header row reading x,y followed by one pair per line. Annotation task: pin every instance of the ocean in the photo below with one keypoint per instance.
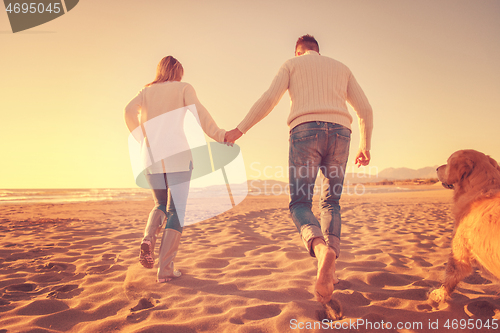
x,y
32,196
202,204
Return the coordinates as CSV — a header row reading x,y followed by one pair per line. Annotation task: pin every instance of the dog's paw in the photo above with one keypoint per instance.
x,y
438,295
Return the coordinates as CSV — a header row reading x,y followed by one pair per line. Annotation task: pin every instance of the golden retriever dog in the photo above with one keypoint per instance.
x,y
475,179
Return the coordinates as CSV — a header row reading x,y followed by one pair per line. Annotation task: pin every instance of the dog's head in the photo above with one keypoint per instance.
x,y
466,167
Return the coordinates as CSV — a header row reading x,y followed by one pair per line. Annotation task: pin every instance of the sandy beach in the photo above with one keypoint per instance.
x,y
74,268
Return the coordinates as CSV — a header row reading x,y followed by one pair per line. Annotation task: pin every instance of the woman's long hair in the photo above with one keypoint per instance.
x,y
168,69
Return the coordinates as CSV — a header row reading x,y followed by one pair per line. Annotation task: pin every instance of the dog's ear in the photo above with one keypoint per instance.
x,y
494,163
459,168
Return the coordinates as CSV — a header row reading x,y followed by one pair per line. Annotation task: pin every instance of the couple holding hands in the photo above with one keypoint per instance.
x,y
319,88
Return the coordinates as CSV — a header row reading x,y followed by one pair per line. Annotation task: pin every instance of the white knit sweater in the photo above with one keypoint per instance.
x,y
155,118
319,88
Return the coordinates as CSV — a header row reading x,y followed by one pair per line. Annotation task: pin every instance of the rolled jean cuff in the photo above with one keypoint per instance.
x,y
309,232
333,242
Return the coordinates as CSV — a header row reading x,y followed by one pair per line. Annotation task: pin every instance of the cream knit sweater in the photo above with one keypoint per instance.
x,y
155,118
319,88
160,98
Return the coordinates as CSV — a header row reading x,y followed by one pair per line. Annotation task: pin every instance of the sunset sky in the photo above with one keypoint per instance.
x,y
430,69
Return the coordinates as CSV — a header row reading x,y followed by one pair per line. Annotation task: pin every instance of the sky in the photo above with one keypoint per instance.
x,y
430,69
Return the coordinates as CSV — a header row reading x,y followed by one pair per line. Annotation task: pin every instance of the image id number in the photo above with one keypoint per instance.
x,y
471,324
33,8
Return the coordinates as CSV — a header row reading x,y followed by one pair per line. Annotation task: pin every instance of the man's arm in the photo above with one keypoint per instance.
x,y
357,99
232,135
363,158
266,103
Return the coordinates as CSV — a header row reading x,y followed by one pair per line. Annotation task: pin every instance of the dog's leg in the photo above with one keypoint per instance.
x,y
458,267
456,270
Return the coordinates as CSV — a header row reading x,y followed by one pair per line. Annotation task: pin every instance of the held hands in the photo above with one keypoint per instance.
x,y
363,158
232,136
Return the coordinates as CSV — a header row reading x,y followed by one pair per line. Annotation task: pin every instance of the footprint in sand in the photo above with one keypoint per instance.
x,y
136,315
476,278
421,262
104,269
66,288
49,277
25,287
343,285
257,313
331,311
481,309
109,257
354,298
144,303
54,266
43,307
65,291
98,269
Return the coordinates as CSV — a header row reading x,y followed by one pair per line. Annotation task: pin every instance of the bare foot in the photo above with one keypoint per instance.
x,y
326,277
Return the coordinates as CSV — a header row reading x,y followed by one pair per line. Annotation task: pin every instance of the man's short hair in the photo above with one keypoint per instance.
x,y
308,42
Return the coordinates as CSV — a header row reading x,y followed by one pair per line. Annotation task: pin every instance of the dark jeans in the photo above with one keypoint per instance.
x,y
318,146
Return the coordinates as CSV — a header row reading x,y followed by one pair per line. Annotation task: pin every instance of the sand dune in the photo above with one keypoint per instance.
x,y
74,268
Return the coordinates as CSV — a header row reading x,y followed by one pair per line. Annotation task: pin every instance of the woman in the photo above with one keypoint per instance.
x,y
155,117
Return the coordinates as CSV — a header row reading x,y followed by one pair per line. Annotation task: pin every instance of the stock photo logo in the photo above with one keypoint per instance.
x,y
174,142
26,15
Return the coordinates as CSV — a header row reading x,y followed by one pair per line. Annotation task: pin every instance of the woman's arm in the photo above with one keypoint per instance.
x,y
206,121
132,112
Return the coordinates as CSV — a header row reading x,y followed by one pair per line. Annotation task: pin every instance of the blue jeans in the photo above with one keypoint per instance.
x,y
318,146
162,186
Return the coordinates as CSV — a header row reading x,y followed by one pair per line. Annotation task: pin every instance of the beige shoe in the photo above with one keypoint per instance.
x,y
177,273
145,256
168,250
153,228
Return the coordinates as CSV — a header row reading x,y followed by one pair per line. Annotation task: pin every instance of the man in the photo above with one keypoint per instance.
x,y
319,121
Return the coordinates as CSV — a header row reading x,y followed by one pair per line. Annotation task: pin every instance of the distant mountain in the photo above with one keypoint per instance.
x,y
257,185
393,174
406,173
267,186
